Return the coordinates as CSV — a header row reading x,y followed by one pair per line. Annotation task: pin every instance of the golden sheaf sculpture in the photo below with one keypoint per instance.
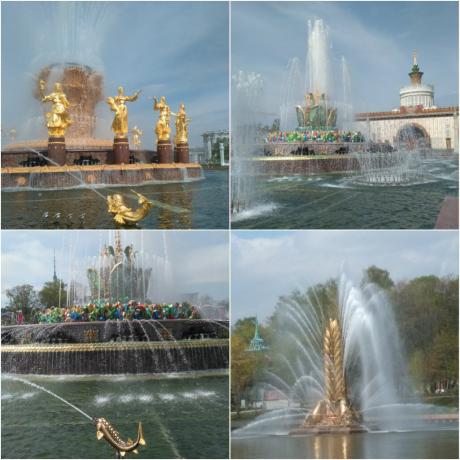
x,y
104,430
334,409
57,120
117,104
124,215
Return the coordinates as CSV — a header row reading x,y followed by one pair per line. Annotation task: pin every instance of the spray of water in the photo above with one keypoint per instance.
x,y
26,382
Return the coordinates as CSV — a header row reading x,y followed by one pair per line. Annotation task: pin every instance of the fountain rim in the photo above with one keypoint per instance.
x,y
113,346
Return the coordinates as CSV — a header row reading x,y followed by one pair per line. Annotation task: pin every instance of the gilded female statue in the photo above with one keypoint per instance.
x,y
117,105
162,128
181,126
137,133
57,120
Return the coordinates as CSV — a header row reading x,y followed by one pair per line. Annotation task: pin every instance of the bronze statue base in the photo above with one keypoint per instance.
x,y
181,153
56,150
165,152
121,151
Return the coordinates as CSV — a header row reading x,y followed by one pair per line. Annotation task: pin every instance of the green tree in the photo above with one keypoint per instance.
x,y
379,277
426,312
53,293
247,366
24,298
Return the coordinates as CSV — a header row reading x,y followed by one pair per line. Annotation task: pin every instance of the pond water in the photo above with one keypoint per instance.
x,y
183,416
192,204
333,200
415,444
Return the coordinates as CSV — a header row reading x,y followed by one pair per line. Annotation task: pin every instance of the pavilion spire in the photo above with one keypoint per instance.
x,y
54,266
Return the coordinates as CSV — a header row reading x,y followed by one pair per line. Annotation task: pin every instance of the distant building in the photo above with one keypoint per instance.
x,y
209,139
214,312
257,343
417,121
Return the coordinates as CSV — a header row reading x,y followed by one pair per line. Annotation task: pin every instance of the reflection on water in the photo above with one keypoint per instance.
x,y
196,204
409,444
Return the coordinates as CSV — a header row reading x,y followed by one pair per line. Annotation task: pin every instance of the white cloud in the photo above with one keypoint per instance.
x,y
266,265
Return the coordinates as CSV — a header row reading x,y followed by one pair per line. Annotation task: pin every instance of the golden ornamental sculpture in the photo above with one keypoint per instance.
x,y
57,120
104,430
182,123
124,215
334,409
117,104
137,133
162,128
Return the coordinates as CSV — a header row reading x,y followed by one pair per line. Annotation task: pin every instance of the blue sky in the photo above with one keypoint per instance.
x,y
376,38
197,261
268,264
176,49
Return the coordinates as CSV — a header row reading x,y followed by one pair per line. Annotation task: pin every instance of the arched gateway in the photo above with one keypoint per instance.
x,y
413,135
417,122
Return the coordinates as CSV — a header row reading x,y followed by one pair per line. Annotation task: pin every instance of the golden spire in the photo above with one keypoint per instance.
x,y
333,363
118,248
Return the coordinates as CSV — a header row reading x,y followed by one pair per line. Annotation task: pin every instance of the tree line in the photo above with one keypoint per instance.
x,y
425,311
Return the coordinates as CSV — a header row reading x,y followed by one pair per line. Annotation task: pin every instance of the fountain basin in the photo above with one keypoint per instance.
x,y
67,176
314,164
285,149
93,332
116,357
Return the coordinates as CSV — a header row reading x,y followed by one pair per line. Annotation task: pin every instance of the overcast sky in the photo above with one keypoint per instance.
x,y
376,38
266,265
198,260
175,49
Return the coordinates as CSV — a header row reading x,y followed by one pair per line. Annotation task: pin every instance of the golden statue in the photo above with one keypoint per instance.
x,y
124,215
12,133
137,133
58,119
162,128
334,409
105,430
117,105
181,126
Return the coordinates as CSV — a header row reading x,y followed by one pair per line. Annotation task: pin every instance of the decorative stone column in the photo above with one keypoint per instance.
x,y
56,150
120,150
165,152
181,153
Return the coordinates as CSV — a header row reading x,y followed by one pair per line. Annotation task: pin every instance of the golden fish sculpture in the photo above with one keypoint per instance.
x,y
104,430
124,215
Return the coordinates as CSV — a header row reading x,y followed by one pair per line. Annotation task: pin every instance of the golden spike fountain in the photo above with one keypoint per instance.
x,y
334,412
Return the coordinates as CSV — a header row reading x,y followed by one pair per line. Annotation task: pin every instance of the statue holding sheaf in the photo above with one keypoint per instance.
x,y
118,105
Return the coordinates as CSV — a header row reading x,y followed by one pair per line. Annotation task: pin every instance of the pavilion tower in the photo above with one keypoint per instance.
x,y
416,94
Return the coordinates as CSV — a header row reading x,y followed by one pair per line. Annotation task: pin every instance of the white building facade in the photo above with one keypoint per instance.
x,y
417,121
